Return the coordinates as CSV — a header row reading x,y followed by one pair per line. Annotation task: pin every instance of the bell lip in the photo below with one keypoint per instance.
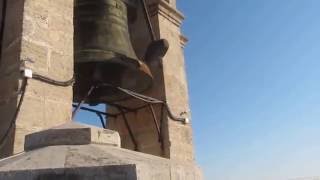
x,y
100,56
142,69
106,99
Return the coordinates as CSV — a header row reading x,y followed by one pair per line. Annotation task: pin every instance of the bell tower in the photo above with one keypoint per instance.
x,y
128,54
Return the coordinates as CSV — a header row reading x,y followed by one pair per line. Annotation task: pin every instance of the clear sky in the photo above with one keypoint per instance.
x,y
254,78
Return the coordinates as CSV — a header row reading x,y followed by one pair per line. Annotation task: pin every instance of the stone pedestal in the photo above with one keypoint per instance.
x,y
94,155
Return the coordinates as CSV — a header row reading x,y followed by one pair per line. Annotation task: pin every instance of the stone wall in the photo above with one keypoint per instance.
x,y
180,135
42,31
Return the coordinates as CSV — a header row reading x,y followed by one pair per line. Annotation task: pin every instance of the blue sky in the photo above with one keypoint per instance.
x,y
253,68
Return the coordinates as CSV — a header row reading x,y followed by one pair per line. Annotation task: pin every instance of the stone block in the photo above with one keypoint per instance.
x,y
62,42
64,8
37,9
116,172
35,89
37,53
78,157
36,30
31,114
58,68
71,134
56,112
58,93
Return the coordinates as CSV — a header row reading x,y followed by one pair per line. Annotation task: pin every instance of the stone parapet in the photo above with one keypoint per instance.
x,y
85,159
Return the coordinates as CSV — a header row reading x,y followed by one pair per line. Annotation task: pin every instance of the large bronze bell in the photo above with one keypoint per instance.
x,y
103,51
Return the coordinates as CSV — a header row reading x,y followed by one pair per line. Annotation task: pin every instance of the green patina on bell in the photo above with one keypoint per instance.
x,y
103,51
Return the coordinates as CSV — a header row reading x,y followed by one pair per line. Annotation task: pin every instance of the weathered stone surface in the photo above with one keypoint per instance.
x,y
71,134
118,172
42,31
77,160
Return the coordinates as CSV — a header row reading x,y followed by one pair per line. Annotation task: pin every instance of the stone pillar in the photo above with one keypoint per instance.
x,y
168,21
42,31
169,85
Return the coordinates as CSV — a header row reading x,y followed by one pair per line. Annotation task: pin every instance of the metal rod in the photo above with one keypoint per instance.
x,y
146,99
82,102
151,100
102,120
155,121
134,141
148,20
120,106
161,127
171,116
134,110
96,111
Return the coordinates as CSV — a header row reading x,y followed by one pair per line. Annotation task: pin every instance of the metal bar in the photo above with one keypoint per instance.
x,y
102,120
152,101
96,111
82,102
148,20
140,96
134,141
161,117
149,100
171,116
108,114
161,130
120,106
155,121
133,110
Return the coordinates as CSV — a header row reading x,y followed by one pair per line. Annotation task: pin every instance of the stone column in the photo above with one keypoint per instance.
x,y
169,85
168,21
41,31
